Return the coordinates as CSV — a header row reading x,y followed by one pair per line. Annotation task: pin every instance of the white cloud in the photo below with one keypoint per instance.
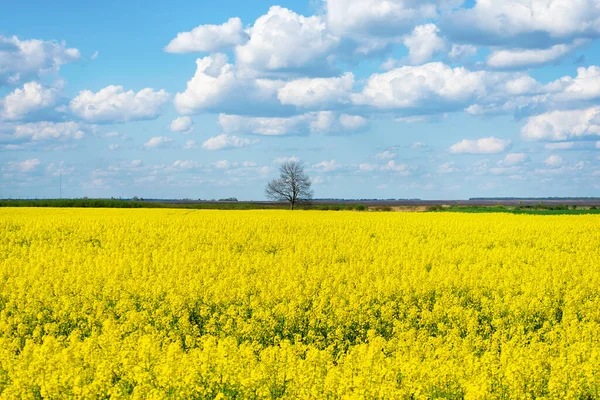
x,y
113,147
461,52
23,59
585,86
94,55
225,141
390,166
281,160
559,146
365,167
424,43
209,38
387,18
598,145
314,122
186,164
182,124
429,86
386,155
521,58
554,161
317,92
217,87
24,166
352,122
158,142
526,21
563,125
49,130
264,126
447,168
32,97
514,159
326,166
401,169
223,164
490,145
282,40
113,104
190,145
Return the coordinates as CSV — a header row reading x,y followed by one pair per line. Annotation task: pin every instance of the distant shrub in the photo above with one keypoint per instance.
x,y
361,207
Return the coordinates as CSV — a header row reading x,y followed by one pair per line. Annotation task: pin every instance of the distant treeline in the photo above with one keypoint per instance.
x,y
358,200
535,209
121,203
534,199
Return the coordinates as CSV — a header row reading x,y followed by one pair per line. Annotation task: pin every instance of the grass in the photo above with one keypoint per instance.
x,y
117,203
537,209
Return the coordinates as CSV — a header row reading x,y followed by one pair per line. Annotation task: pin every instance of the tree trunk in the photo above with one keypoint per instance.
x,y
292,206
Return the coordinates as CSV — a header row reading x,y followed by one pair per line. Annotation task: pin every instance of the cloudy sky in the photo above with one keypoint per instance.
x,y
378,98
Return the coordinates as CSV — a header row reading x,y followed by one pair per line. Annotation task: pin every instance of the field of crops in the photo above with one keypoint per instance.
x,y
269,304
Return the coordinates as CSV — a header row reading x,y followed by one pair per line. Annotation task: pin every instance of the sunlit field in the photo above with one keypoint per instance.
x,y
276,304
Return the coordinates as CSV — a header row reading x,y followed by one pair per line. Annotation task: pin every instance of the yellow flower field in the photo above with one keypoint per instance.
x,y
266,304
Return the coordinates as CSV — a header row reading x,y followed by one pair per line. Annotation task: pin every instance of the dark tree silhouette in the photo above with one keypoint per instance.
x,y
293,185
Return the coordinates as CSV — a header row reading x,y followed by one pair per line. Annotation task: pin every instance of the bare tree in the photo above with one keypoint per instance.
x,y
293,185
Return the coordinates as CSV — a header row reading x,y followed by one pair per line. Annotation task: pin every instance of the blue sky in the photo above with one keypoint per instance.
x,y
436,99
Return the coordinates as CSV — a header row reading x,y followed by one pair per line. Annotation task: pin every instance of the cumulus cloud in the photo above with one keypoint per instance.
x,y
490,145
32,97
24,59
182,124
584,87
559,146
224,141
217,87
281,160
209,38
525,22
554,161
522,58
282,40
447,168
24,166
314,122
114,104
158,142
525,96
49,130
352,122
460,52
514,159
563,125
327,166
390,166
190,145
424,43
430,86
386,155
264,126
384,18
317,92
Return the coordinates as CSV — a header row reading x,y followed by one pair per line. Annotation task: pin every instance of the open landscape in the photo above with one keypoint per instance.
x,y
316,199
303,304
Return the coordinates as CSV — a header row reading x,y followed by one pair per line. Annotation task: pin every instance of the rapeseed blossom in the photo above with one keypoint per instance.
x,y
277,304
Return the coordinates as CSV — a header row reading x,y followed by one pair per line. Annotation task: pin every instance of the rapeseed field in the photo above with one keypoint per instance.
x,y
153,304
